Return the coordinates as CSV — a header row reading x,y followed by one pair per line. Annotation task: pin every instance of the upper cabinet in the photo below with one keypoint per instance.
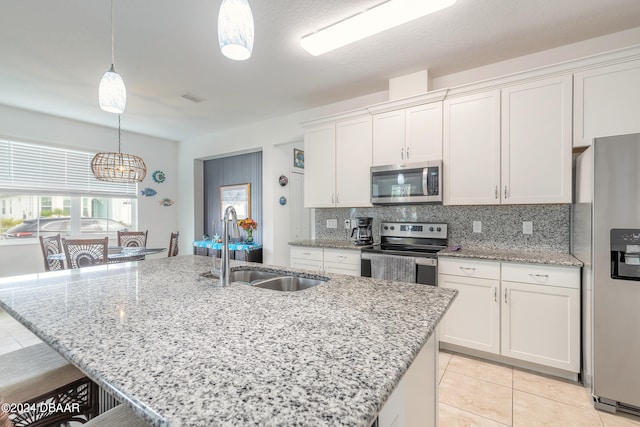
x,y
471,149
607,102
509,147
536,142
408,135
337,163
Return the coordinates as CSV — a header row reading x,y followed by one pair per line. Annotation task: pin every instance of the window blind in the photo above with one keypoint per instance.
x,y
39,169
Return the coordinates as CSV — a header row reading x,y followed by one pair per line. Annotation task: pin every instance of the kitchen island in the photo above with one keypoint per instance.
x,y
180,351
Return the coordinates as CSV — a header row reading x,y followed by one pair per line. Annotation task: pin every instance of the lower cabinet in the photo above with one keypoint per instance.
x,y
341,261
414,402
529,312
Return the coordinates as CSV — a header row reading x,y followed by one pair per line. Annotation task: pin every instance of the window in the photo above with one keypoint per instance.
x,y
50,190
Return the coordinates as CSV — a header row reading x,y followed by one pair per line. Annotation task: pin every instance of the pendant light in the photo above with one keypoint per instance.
x,y
118,167
112,94
235,29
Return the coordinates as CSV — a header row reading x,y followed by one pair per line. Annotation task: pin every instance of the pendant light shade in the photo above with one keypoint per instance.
x,y
112,95
118,167
235,29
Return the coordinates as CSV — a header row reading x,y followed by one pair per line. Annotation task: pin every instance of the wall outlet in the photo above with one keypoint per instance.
x,y
347,224
332,223
477,226
527,227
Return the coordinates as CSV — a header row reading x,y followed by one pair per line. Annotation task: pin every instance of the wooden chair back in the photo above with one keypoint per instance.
x,y
50,246
132,239
85,252
173,244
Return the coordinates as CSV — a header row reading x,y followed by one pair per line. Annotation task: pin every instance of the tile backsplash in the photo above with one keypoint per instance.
x,y
501,225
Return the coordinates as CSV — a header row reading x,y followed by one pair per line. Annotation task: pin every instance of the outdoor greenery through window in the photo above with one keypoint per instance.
x,y
46,191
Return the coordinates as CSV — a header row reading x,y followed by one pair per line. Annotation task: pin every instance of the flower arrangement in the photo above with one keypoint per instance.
x,y
248,225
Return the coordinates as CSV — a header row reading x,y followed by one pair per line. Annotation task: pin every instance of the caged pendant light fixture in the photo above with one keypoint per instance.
x,y
235,29
118,167
112,94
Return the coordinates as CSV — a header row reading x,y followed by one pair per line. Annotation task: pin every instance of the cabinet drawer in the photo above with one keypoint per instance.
x,y
304,252
539,274
341,268
342,256
469,268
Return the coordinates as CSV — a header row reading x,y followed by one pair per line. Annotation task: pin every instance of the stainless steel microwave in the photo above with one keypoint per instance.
x,y
409,183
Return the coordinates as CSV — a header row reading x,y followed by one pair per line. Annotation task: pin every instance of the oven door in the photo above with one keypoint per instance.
x,y
426,269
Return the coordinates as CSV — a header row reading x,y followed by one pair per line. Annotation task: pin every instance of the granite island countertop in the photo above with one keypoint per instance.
x,y
329,244
541,257
183,352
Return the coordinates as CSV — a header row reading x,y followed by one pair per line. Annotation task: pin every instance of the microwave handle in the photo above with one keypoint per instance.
x,y
425,181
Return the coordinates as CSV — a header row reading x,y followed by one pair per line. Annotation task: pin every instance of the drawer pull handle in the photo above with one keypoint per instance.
x,y
306,253
540,276
342,257
471,269
495,294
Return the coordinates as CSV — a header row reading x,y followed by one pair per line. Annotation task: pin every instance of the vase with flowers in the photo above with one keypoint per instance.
x,y
248,225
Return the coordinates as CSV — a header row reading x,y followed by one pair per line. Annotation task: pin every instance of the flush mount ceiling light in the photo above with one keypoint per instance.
x,y
118,167
235,29
112,94
369,22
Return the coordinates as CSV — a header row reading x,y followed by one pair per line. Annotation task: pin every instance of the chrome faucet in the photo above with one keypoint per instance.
x,y
224,260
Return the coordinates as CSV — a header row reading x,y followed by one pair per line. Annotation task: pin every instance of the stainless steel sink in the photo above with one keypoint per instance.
x,y
268,280
288,283
244,276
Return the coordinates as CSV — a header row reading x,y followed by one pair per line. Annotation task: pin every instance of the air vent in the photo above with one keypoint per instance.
x,y
193,98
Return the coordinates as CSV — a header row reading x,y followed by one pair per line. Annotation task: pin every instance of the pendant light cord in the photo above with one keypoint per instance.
x,y
113,56
119,134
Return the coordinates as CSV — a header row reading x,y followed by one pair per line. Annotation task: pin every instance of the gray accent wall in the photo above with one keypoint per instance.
x,y
240,169
501,225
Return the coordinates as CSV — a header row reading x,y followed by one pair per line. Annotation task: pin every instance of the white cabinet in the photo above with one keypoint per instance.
x,y
606,102
340,261
337,162
471,149
541,315
528,312
536,142
473,321
408,135
414,402
509,147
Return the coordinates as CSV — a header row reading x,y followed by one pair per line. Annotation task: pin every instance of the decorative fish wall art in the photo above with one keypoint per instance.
x,y
148,192
166,202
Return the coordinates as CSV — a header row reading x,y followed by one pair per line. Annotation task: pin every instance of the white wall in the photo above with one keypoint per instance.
x,y
158,154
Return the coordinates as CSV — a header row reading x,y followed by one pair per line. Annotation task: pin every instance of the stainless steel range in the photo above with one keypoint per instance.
x,y
406,252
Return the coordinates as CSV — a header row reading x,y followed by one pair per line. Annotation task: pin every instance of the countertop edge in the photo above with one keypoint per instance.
x,y
548,258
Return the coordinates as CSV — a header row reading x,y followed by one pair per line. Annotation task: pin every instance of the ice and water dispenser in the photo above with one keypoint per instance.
x,y
625,254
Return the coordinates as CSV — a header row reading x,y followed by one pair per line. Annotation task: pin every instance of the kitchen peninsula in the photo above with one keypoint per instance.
x,y
180,351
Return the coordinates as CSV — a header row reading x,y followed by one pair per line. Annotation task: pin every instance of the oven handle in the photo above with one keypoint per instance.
x,y
419,260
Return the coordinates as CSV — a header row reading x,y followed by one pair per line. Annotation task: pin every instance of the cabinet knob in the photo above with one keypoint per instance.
x,y
408,153
505,295
505,191
402,153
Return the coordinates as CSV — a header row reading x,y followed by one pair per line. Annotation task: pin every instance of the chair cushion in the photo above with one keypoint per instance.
x,y
35,370
121,416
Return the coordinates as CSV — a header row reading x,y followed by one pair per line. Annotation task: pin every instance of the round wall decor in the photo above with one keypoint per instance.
x,y
283,180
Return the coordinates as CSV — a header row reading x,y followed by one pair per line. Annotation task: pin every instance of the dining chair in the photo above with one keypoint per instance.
x,y
36,376
85,252
51,246
173,244
132,239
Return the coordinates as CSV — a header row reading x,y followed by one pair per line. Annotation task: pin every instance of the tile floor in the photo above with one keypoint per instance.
x,y
472,392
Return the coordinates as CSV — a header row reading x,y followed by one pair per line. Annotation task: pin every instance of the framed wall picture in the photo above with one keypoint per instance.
x,y
238,196
298,158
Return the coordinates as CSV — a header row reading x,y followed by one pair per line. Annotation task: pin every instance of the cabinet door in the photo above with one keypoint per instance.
x,y
474,317
536,142
389,138
353,162
541,324
424,132
471,149
319,182
606,102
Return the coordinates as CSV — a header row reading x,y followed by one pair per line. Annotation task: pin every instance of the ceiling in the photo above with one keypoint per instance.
x,y
55,52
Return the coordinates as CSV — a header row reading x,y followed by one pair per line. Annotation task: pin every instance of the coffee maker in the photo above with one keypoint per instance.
x,y
362,231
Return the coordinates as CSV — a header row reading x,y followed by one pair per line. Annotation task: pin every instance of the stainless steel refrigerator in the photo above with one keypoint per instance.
x,y
606,238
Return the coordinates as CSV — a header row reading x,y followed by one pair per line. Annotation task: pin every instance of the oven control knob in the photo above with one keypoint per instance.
x,y
430,228
392,227
439,229
386,228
